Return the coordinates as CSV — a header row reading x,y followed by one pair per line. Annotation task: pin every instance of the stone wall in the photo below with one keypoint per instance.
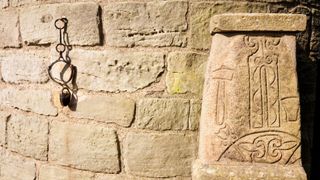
x,y
140,74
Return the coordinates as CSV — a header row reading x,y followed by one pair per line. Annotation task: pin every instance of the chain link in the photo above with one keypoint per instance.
x,y
63,47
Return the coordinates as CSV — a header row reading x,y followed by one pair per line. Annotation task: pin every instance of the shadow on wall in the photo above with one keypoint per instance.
x,y
315,161
309,99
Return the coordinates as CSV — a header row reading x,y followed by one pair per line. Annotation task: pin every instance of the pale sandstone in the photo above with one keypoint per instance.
x,y
3,127
115,71
156,24
201,12
49,172
185,72
248,171
38,101
9,28
129,177
116,109
242,22
195,111
28,135
19,67
84,146
15,167
232,114
163,155
4,3
83,23
163,114
250,119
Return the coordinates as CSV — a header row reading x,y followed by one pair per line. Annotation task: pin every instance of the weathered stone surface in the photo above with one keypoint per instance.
x,y
14,167
3,127
119,110
164,155
243,103
315,35
129,177
185,72
18,67
116,70
275,1
195,111
241,172
257,22
4,3
84,146
163,114
38,101
303,38
201,12
9,28
49,172
82,23
28,135
251,109
155,24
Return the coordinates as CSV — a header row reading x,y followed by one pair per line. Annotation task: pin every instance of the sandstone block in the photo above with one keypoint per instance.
x,y
233,114
195,111
251,109
163,114
114,71
164,155
9,28
3,127
257,22
156,24
17,3
84,146
185,72
83,23
201,12
14,167
49,172
38,101
250,117
115,109
18,67
129,177
28,135
240,172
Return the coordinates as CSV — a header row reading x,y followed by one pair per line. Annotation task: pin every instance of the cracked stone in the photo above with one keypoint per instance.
x,y
156,24
114,71
28,135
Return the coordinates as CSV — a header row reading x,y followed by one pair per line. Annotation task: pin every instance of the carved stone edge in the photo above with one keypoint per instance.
x,y
257,22
246,171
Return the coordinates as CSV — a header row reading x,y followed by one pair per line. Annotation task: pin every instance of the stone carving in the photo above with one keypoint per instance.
x,y
264,147
268,109
224,131
264,81
250,109
291,108
222,75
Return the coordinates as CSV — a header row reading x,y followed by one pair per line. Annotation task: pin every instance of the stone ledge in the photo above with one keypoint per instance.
x,y
247,171
257,22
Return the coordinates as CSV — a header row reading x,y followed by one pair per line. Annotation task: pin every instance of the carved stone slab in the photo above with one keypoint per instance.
x,y
257,22
250,109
